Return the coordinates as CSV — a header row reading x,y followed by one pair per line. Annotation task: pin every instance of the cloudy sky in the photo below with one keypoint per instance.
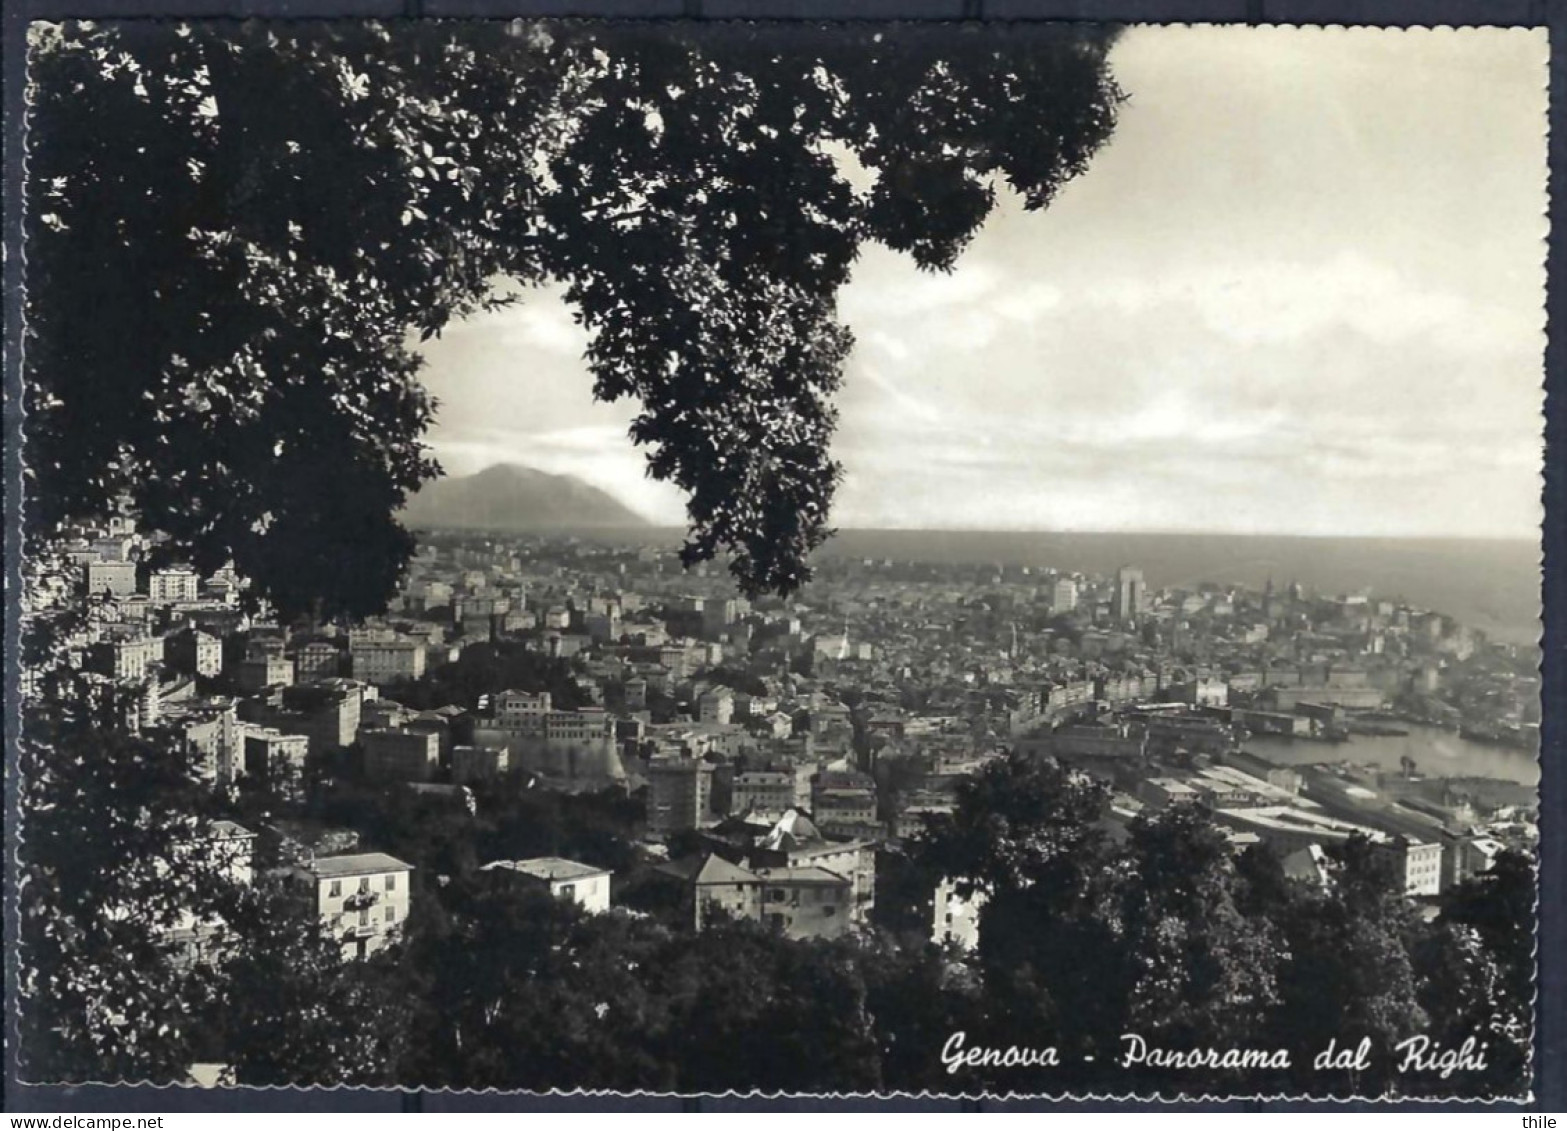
x,y
1301,291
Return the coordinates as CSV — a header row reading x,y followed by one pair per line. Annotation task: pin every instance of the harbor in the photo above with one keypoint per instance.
x,y
1436,752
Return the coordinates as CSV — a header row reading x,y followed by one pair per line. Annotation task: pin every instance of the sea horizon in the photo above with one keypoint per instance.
x,y
675,528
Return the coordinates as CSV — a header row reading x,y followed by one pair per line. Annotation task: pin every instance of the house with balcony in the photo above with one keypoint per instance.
x,y
362,900
807,902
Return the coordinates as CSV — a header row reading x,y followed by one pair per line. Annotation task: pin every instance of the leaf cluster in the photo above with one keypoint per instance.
x,y
235,233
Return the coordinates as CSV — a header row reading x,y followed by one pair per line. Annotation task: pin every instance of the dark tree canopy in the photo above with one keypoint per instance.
x,y
233,229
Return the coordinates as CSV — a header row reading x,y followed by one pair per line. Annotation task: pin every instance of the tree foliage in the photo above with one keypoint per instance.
x,y
1203,972
234,228
111,865
1476,969
1170,935
119,868
288,1007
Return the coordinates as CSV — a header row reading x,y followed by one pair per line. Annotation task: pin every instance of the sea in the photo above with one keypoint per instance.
x,y
1489,584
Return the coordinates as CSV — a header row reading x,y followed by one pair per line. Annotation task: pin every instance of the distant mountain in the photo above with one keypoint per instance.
x,y
514,498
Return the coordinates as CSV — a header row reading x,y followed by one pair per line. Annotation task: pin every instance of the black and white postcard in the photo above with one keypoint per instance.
x,y
696,557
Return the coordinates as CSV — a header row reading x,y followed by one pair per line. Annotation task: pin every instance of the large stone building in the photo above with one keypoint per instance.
x,y
1417,865
387,661
129,658
844,803
317,660
174,585
679,793
575,748
111,578
207,731
479,763
400,754
764,792
1126,603
716,705
263,670
275,759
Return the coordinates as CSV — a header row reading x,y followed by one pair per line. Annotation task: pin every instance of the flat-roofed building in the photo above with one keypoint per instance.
x,y
398,754
111,578
1354,698
583,884
679,793
317,660
1418,865
716,705
264,670
128,658
387,661
275,759
522,711
1288,828
173,585
194,651
1093,742
208,731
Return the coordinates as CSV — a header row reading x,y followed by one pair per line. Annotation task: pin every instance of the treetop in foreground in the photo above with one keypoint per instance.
x,y
234,231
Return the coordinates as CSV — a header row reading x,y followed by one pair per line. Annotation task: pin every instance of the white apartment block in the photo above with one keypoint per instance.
x,y
362,900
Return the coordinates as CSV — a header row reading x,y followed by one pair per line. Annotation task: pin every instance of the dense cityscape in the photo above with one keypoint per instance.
x,y
858,704
778,761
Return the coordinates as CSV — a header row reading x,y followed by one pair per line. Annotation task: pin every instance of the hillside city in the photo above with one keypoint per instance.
x,y
772,758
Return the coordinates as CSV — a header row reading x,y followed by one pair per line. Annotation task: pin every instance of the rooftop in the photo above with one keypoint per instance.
x,y
808,876
228,830
792,830
549,868
360,864
709,869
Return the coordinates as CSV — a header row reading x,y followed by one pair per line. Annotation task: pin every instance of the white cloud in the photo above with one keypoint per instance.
x,y
1301,290
1259,303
